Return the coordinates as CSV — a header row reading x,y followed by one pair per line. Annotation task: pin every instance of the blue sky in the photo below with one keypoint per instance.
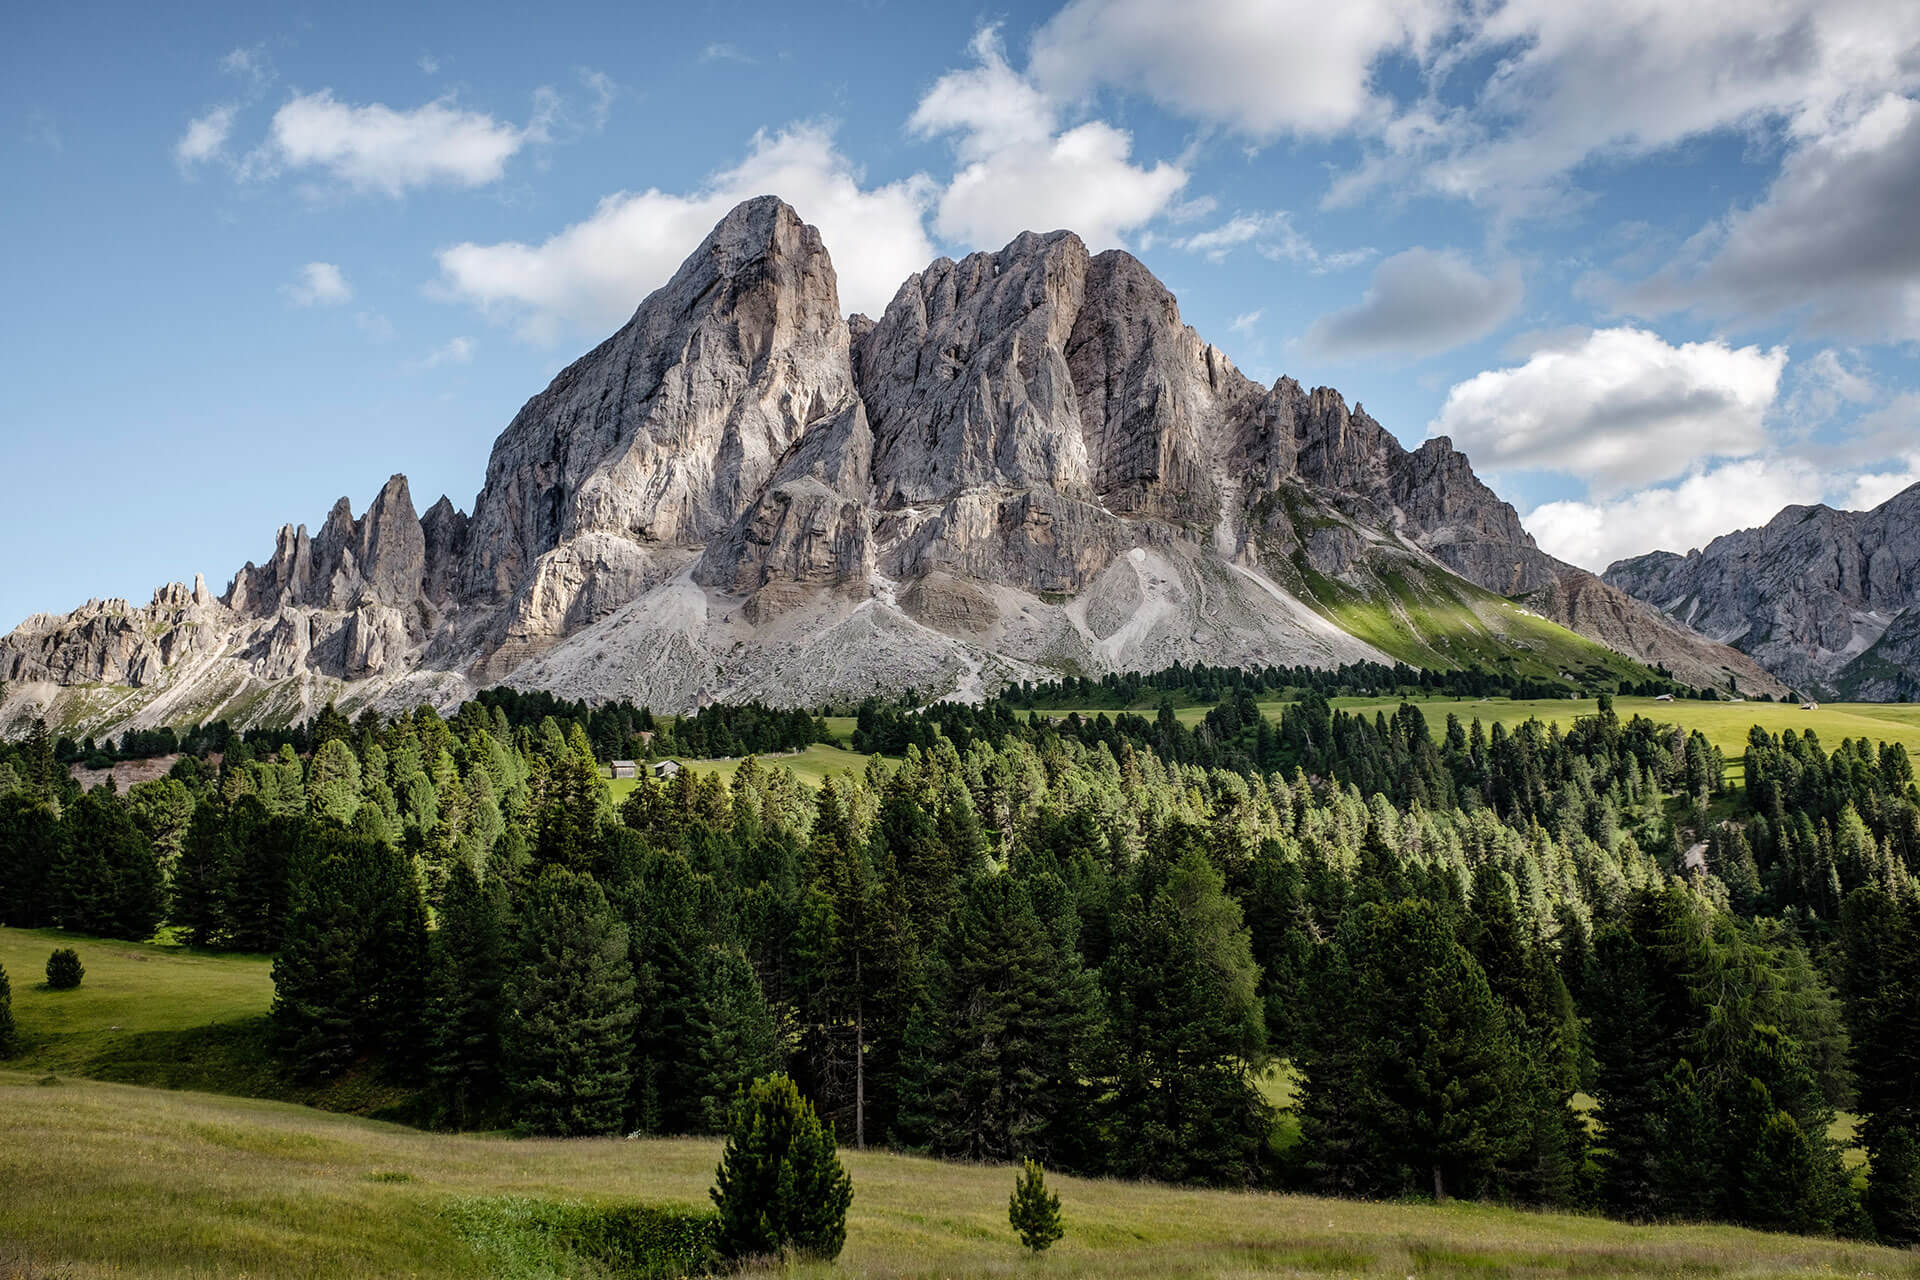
x,y
1654,267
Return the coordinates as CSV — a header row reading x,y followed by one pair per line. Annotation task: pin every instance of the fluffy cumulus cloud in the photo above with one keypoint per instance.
x,y
1620,409
1708,503
1019,171
1835,243
390,151
1261,67
320,284
589,277
1421,302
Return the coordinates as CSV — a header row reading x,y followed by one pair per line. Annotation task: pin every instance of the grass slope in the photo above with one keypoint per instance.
x,y
110,1179
163,1015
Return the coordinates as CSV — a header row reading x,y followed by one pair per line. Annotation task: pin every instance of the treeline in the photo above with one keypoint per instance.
x,y
1085,940
1203,685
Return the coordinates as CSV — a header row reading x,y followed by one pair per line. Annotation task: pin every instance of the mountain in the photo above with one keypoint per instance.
x,y
1829,601
1027,466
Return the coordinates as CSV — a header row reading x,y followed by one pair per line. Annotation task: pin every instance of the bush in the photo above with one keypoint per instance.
x,y
518,1237
64,970
780,1188
6,1015
1034,1213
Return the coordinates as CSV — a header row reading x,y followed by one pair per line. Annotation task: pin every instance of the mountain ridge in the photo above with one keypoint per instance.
x,y
1027,465
1827,599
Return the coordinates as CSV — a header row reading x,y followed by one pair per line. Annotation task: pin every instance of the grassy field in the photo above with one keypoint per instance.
x,y
162,1015
107,1179
813,766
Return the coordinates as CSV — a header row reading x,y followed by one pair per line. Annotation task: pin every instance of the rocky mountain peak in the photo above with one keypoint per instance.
x,y
1028,463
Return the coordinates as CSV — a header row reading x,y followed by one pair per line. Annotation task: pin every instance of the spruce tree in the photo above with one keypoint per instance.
x,y
566,1037
1033,1211
1893,1189
780,1188
9,1036
1880,947
1012,1020
1413,1081
736,1036
29,852
203,879
463,1003
110,882
64,969
350,978
1184,1013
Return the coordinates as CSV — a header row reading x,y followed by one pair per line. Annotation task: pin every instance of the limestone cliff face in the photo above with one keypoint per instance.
x,y
1826,599
1028,464
656,441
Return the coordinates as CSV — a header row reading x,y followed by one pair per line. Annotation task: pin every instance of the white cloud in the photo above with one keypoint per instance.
x,y
1020,173
1621,409
1833,243
1875,487
1262,67
429,65
724,51
378,148
454,351
375,325
320,285
1272,235
1421,302
589,277
1574,81
1244,322
250,66
1708,503
205,138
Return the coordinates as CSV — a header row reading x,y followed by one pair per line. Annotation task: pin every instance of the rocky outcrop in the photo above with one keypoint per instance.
x,y
1825,599
1028,464
659,439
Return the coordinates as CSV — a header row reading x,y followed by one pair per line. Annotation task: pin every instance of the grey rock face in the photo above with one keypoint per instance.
x,y
662,436
1822,598
1028,464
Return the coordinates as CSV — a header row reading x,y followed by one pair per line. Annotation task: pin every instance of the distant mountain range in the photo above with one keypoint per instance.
x,y
1027,466
1824,599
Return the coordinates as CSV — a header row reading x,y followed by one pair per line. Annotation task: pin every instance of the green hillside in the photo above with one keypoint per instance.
x,y
114,1180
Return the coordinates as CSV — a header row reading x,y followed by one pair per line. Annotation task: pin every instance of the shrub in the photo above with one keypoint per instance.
x,y
6,1014
64,970
780,1188
517,1237
1034,1213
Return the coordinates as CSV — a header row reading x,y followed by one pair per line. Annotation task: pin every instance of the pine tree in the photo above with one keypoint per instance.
x,y
1012,1019
8,1034
463,1002
110,881
780,1188
1033,1211
203,879
64,969
1880,946
566,1037
736,1037
350,978
29,851
1413,1081
1184,1012
1893,1189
